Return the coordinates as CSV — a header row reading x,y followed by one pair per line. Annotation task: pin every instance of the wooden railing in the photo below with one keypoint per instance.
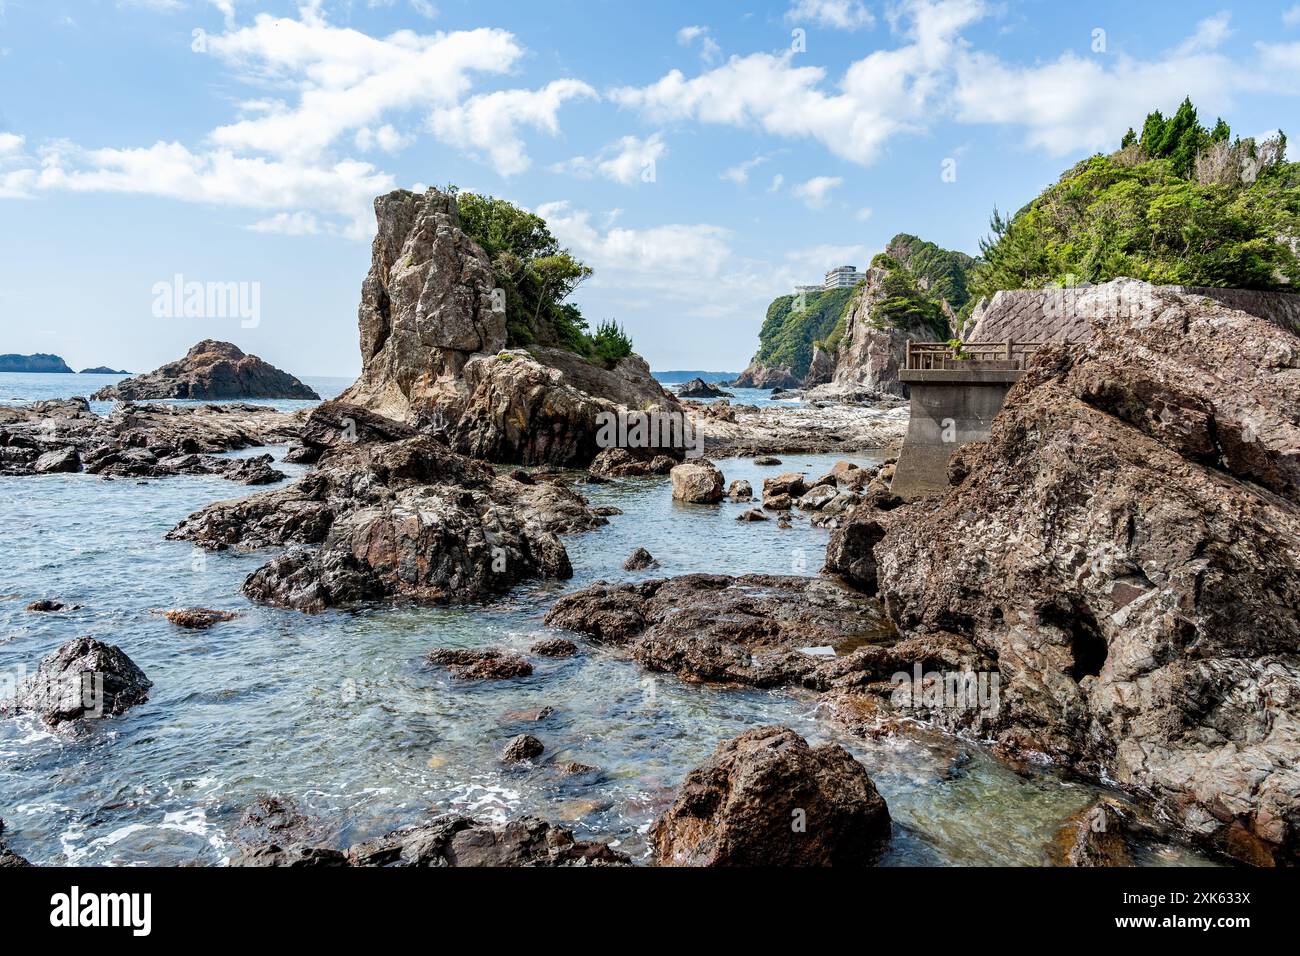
x,y
941,355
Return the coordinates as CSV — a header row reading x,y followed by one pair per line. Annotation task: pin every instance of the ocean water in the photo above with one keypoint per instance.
x,y
338,712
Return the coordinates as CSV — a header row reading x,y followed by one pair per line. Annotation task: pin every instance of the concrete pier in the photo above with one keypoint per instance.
x,y
950,407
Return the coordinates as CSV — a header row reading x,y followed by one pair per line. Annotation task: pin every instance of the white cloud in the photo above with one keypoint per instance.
x,y
386,138
739,174
816,192
884,93
863,214
489,123
288,224
777,181
344,80
838,14
1291,18
219,178
10,143
1210,34
709,49
627,160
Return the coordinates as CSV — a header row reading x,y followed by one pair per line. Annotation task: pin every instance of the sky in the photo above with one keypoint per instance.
x,y
701,157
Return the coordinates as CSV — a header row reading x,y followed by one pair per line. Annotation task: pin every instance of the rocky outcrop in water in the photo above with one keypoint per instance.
x,y
141,441
487,664
1126,549
698,388
433,349
198,618
210,370
409,519
1094,837
83,679
756,630
449,841
767,798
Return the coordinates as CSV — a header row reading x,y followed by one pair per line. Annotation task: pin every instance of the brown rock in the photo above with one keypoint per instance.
x,y
554,647
210,370
489,664
639,560
83,679
198,618
767,798
697,482
522,747
1094,837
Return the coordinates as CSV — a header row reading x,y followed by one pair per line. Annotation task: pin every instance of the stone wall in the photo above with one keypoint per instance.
x,y
1061,315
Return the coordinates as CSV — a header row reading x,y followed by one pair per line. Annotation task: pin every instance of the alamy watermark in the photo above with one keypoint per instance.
x,y
177,298
963,690
647,430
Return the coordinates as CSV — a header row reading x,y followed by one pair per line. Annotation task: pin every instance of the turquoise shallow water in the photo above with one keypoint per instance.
x,y
338,712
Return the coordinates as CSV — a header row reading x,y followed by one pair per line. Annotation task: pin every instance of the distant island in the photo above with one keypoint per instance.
x,y
40,362
103,370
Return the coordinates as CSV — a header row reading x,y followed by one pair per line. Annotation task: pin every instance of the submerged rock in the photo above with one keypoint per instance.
x,y
633,463
767,798
1126,548
698,482
740,490
489,664
83,679
198,618
554,647
49,606
210,369
751,630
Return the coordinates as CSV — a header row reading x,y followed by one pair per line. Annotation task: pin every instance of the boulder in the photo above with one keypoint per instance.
x,y
60,460
83,679
767,798
740,490
752,514
790,483
210,370
639,560
1126,547
698,482
521,748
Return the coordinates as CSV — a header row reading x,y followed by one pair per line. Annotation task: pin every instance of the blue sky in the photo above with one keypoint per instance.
x,y
702,157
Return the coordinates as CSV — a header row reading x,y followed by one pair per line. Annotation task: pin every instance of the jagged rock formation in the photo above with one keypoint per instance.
x,y
698,388
406,518
758,375
210,370
141,441
766,798
83,679
433,349
1125,550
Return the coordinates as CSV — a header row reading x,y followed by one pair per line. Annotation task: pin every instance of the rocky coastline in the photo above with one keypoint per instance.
x,y
1121,555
